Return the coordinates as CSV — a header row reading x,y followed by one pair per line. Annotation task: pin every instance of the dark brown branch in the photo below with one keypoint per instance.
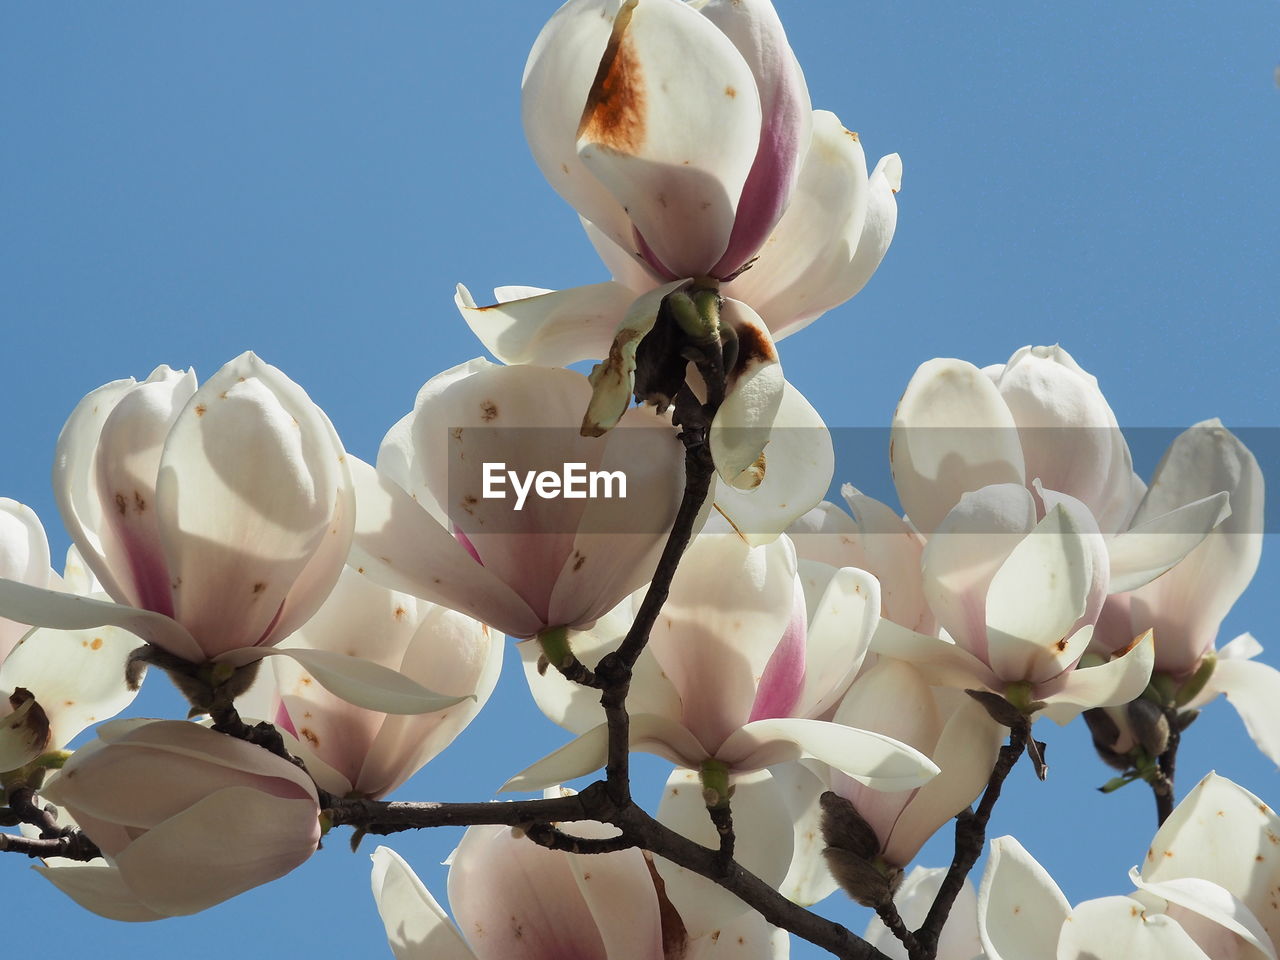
x,y
545,835
971,837
72,846
1162,784
889,916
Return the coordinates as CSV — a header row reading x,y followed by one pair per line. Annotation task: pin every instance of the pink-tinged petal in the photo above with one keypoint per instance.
x,y
959,940
942,662
755,30
892,699
281,833
76,676
671,127
1119,927
805,267
1035,599
417,926
620,538
808,880
558,78
554,328
1222,833
966,752
1106,685
1204,900
400,545
1254,690
99,889
358,681
742,425
963,556
799,460
870,758
729,607
1095,545
1148,549
66,611
952,434
841,625
252,487
128,464
649,734
762,823
624,263
1020,908
75,475
1186,606
784,675
24,556
1069,435
613,381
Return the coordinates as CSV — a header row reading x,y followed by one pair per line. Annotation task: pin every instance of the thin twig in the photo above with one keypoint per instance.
x,y
971,837
1162,785
889,916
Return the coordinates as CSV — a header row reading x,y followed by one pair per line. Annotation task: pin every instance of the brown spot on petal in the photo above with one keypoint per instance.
x,y
259,587
754,349
139,503
577,564
122,504
488,411
401,613
730,92
852,135
310,736
201,409
97,644
1061,644
614,115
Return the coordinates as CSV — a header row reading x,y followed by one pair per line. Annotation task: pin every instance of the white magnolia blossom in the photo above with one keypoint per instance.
x,y
53,683
427,527
1038,421
1018,597
351,750
1206,891
185,818
744,658
512,898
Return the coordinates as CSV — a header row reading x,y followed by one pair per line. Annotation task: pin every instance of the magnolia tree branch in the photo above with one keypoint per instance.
x,y
971,837
1162,785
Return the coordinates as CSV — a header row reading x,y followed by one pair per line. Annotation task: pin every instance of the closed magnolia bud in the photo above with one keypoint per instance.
x,y
853,854
1150,726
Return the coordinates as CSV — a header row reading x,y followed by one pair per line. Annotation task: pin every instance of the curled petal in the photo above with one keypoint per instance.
x,y
417,926
742,425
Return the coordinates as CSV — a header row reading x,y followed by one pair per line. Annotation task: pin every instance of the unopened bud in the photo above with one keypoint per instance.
x,y
844,828
1150,726
1106,734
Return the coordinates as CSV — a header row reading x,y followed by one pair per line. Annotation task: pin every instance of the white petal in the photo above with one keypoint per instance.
x,y
1254,690
650,734
1117,927
799,462
748,937
942,662
1108,684
417,926
1145,551
625,264
618,890
839,635
400,545
671,128
741,427
97,887
1036,597
24,556
952,434
361,682
762,825
65,611
553,329
870,758
1214,904
77,677
1020,908
808,880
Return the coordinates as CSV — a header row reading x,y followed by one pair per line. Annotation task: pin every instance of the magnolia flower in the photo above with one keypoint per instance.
x,y
185,818
951,729
217,519
350,750
1206,890
513,898
53,683
743,659
1038,421
430,525
1018,597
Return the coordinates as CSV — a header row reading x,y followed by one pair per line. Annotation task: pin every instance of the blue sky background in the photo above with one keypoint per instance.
x,y
181,181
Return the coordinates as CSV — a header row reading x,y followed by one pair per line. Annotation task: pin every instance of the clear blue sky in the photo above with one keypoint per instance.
x,y
182,181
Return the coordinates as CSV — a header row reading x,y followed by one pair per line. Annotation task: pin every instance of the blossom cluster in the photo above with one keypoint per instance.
x,y
831,685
